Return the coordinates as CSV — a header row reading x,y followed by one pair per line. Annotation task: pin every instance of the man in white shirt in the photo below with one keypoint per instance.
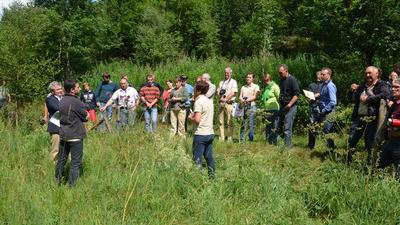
x,y
227,90
127,99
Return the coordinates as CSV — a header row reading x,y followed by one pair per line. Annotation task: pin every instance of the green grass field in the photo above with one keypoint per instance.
x,y
135,178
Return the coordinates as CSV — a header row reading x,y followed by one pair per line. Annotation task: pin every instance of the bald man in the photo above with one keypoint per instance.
x,y
367,98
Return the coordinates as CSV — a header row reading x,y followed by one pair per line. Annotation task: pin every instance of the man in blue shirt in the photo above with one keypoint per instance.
x,y
103,93
326,106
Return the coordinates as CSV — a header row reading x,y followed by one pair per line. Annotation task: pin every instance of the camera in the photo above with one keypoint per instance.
x,y
222,92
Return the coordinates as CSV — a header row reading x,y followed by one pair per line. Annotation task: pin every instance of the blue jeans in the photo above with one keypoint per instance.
x,y
76,150
248,121
107,113
150,118
126,117
202,146
285,124
270,128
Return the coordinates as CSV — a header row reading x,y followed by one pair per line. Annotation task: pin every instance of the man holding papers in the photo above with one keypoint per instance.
x,y
324,110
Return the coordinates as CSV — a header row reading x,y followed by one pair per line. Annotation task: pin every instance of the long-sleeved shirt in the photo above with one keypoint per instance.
x,y
72,117
327,99
104,91
270,96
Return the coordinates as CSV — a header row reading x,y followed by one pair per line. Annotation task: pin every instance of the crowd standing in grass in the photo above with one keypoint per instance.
x,y
182,102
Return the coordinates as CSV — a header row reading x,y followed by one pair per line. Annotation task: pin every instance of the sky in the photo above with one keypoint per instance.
x,y
6,3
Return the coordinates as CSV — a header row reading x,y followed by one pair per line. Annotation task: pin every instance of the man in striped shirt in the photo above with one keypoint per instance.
x,y
149,95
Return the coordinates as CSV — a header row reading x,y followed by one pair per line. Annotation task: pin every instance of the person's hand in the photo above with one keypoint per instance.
x,y
353,87
45,119
363,98
102,109
317,95
287,107
191,116
389,103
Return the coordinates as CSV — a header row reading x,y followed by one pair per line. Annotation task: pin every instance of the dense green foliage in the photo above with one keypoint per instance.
x,y
53,40
132,178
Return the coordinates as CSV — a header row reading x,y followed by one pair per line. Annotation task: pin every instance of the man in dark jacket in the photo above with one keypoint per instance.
x,y
367,99
72,132
53,124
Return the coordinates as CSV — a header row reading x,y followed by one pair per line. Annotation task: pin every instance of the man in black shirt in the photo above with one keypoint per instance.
x,y
72,132
290,91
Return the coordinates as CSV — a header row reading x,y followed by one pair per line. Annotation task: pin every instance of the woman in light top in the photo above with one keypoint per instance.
x,y
202,116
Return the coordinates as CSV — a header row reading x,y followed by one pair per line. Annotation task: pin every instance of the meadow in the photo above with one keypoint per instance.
x,y
135,178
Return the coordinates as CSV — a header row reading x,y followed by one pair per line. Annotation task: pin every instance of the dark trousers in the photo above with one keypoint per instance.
x,y
270,129
76,149
328,123
202,146
362,126
391,155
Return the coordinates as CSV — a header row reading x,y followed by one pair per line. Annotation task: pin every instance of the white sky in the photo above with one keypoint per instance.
x,y
6,3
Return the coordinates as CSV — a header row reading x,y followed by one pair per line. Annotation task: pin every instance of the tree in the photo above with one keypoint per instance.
x,y
23,55
155,42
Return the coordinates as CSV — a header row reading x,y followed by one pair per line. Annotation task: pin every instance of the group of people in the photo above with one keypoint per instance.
x,y
182,102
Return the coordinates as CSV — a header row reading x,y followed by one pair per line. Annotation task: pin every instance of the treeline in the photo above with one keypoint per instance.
x,y
50,39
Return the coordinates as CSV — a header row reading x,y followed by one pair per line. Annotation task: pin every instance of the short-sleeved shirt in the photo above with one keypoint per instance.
x,y
126,98
229,86
248,91
205,106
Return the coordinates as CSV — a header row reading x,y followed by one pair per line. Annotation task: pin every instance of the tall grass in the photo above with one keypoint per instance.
x,y
135,178
301,66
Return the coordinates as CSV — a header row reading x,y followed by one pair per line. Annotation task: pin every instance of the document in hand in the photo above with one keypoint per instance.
x,y
309,94
55,119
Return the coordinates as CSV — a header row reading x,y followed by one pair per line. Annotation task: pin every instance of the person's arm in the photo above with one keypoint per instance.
x,y
97,93
110,101
384,94
233,92
82,114
332,100
254,95
296,93
45,113
195,117
152,103
241,95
